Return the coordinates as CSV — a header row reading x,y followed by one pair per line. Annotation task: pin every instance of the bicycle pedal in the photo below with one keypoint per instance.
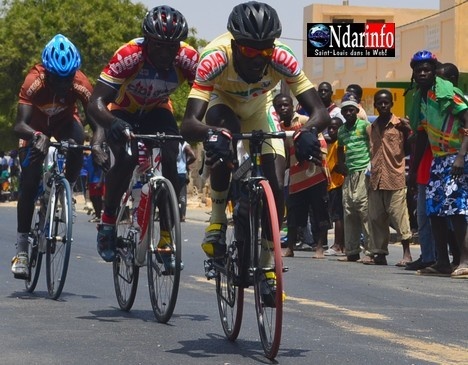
x,y
285,269
21,276
210,272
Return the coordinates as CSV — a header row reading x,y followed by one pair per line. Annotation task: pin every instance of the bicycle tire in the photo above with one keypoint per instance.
x,y
34,252
269,317
164,268
59,244
124,270
229,295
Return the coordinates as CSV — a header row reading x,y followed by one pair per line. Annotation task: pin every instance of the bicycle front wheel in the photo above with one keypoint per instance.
x,y
268,299
165,250
229,294
34,251
124,270
58,250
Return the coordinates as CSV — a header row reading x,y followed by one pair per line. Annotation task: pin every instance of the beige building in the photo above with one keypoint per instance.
x,y
442,31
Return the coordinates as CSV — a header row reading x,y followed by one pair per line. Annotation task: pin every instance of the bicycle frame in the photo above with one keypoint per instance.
x,y
52,230
56,173
242,266
153,177
149,236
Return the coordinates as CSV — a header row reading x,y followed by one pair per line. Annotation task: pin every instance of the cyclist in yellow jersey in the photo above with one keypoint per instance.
x,y
232,92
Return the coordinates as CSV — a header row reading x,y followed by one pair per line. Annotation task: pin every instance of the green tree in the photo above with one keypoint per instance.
x,y
96,27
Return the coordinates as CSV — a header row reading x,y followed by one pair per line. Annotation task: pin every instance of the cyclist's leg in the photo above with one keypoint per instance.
x,y
72,129
119,175
170,149
222,115
273,166
28,188
117,180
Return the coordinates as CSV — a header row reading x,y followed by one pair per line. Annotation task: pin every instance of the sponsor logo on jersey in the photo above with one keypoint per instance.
x,y
285,62
211,65
121,63
187,58
36,85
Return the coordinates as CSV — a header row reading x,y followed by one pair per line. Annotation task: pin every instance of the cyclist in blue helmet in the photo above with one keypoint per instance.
x,y
47,107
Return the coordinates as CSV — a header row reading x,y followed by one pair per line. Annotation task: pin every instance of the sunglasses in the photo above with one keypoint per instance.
x,y
250,52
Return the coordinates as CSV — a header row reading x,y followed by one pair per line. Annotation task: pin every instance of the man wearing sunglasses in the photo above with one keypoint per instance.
x,y
233,92
132,95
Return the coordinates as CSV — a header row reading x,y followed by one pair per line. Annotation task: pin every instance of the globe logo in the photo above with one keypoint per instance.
x,y
319,35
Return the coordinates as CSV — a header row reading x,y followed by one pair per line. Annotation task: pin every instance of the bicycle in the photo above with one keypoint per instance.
x,y
140,229
52,225
254,219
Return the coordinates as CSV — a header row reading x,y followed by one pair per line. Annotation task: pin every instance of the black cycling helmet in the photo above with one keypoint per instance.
x,y
254,21
164,23
423,56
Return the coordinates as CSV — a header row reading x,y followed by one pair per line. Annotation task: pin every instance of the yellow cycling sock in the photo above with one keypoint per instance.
x,y
164,239
266,254
218,207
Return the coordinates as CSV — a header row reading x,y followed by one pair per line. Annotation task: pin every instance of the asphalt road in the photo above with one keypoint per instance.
x,y
335,313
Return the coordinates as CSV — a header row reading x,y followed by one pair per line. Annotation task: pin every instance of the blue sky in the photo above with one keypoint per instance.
x,y
209,17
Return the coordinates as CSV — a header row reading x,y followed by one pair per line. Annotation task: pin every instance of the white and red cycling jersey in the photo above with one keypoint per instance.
x,y
142,87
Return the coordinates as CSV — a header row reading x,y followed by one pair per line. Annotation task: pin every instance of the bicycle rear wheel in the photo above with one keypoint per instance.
x,y
268,303
34,252
124,270
59,243
164,262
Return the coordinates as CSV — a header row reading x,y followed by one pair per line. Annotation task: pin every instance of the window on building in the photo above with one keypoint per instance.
x,y
317,67
360,62
339,64
433,36
344,20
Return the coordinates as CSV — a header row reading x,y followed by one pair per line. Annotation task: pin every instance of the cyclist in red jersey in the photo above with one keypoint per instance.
x,y
47,108
233,92
132,94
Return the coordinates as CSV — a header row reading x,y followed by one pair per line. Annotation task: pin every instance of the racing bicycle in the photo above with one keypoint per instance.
x,y
52,225
253,227
144,219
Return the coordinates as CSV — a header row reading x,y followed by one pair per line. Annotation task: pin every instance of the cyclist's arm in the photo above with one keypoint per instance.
x,y
311,102
22,128
191,158
192,127
97,108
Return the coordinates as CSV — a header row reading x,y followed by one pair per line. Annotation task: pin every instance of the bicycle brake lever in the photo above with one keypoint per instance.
x,y
128,145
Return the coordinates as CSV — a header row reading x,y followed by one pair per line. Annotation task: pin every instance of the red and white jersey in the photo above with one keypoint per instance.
x,y
139,84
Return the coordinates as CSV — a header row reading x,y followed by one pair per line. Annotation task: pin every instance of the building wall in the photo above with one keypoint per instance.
x,y
440,31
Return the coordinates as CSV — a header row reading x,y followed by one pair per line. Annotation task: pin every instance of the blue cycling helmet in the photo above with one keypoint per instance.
x,y
60,56
423,56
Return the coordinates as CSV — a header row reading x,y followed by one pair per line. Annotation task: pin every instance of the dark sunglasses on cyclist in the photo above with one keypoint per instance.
x,y
250,52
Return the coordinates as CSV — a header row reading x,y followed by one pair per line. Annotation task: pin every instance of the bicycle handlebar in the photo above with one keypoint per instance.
x,y
261,135
160,137
66,145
